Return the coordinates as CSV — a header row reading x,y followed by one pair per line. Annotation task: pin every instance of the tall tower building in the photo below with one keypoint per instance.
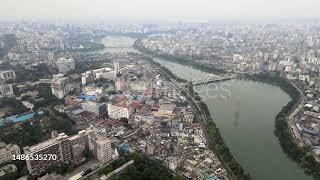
x,y
116,67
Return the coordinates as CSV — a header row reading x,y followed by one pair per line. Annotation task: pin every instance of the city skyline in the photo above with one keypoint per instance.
x,y
203,10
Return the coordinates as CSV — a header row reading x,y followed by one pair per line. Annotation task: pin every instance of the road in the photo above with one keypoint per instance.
x,y
295,132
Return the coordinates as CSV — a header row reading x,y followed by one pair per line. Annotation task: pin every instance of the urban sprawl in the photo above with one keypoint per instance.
x,y
62,95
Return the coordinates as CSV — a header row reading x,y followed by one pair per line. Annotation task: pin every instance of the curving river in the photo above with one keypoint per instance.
x,y
245,113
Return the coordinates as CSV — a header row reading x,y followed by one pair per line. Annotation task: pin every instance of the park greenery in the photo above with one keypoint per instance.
x,y
12,106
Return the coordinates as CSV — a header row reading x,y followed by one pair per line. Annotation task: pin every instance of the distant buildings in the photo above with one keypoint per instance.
x,y
65,65
61,86
7,75
7,151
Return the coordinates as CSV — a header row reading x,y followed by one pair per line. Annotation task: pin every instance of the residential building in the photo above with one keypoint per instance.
x,y
118,111
79,143
99,109
116,66
87,77
10,168
7,75
166,108
100,147
6,89
120,83
7,151
65,65
102,73
58,146
69,149
62,86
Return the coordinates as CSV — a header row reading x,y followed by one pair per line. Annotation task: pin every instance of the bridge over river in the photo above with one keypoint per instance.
x,y
210,78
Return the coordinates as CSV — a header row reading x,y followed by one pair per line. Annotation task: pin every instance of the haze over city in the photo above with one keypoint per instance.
x,y
160,89
159,9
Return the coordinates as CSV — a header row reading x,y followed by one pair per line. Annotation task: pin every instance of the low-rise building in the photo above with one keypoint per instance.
x,y
6,89
10,168
62,86
7,151
7,75
99,109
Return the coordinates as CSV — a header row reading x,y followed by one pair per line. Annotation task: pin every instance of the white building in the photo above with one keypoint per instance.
x,y
117,112
61,86
87,77
102,73
65,65
7,75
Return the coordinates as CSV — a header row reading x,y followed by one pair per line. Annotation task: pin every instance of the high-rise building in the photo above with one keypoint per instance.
x,y
79,143
116,67
101,147
7,151
87,77
58,147
65,65
68,150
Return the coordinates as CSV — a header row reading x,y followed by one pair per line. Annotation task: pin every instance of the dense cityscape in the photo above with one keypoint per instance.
x,y
213,100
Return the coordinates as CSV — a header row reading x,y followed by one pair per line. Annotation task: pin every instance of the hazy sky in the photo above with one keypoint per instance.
x,y
77,9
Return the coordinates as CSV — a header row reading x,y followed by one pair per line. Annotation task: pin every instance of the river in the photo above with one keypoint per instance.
x,y
244,111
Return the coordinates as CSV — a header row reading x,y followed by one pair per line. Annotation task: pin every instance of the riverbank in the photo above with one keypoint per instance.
x,y
181,60
281,127
245,125
282,131
215,142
